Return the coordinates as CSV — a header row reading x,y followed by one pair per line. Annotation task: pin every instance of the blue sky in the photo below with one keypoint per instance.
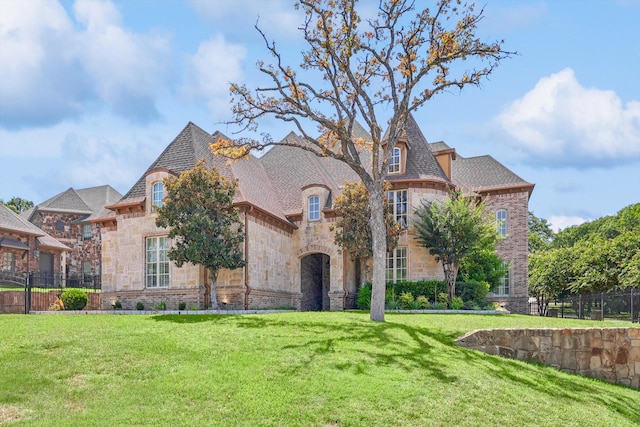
x,y
92,91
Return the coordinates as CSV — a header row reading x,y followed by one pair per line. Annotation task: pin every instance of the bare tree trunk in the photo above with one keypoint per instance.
x,y
379,246
450,273
214,293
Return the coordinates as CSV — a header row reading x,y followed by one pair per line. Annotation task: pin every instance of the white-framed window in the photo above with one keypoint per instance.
x,y
394,162
505,282
502,222
158,194
157,262
398,200
87,232
314,208
396,268
86,267
8,261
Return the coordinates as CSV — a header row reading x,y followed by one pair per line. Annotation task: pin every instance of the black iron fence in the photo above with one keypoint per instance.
x,y
40,291
614,305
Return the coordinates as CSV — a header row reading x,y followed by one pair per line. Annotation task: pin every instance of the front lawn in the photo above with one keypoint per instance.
x,y
290,369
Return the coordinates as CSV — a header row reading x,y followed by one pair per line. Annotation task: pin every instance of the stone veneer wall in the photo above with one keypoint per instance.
x,y
610,354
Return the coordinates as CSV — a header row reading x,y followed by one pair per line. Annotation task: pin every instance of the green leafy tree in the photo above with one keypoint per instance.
x,y
374,71
540,233
352,231
203,223
17,204
483,265
550,274
452,229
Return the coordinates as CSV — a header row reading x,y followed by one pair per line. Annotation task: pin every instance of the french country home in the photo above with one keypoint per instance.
x,y
286,198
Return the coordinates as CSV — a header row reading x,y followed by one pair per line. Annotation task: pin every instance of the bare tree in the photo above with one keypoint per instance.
x,y
376,72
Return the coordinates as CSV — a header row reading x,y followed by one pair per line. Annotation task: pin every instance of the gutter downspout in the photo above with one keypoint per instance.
x,y
246,258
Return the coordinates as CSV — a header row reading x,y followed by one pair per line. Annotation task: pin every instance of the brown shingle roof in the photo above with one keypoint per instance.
x,y
11,221
483,173
192,145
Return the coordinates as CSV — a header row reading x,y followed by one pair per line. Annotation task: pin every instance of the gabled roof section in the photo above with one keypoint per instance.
x,y
11,221
67,201
421,164
192,145
291,169
89,202
484,173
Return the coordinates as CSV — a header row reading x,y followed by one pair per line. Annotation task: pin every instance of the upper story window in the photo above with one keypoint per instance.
x,y
394,162
314,208
398,200
502,222
158,194
59,225
87,232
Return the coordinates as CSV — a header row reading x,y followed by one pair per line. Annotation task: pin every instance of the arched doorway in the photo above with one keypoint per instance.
x,y
315,272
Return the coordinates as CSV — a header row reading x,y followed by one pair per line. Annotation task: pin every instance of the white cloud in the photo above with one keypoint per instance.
x,y
560,222
209,72
562,123
52,69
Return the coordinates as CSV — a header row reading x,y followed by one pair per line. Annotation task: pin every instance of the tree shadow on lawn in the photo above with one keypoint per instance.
x,y
428,350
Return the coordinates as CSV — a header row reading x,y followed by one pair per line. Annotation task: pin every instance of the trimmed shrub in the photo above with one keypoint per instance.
x,y
474,291
363,300
428,288
423,302
182,305
443,299
406,299
456,303
139,305
74,299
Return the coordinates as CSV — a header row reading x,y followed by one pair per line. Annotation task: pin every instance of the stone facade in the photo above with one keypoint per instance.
x,y
610,354
86,251
292,260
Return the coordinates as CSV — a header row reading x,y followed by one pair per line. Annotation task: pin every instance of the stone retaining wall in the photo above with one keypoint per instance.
x,y
610,354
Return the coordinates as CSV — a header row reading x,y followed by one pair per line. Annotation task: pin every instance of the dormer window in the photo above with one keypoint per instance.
x,y
314,208
394,162
158,194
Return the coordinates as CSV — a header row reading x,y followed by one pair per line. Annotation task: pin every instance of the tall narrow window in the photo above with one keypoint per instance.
x,y
502,222
394,162
504,287
86,232
396,269
314,208
157,262
398,200
158,194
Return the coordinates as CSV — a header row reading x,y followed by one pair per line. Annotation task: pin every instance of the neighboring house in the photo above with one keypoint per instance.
x,y
71,217
286,202
24,248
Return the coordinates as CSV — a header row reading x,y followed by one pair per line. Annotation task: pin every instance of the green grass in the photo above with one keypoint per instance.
x,y
290,369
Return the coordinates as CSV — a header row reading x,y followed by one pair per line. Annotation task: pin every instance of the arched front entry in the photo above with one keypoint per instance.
x,y
315,276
